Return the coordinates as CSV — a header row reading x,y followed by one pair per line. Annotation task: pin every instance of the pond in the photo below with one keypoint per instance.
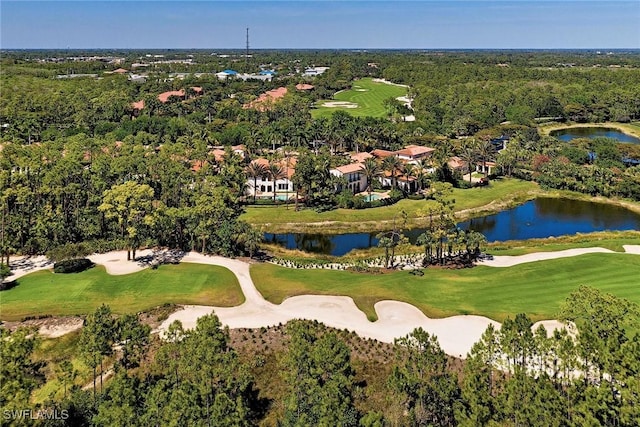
x,y
540,218
568,134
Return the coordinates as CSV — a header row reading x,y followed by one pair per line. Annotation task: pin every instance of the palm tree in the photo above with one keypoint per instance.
x,y
421,171
392,164
469,154
371,170
485,150
408,170
276,172
256,170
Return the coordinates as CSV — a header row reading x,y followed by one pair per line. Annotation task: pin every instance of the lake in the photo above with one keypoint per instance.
x,y
568,134
540,218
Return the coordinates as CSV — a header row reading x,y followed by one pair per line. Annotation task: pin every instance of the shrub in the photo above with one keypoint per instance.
x,y
416,197
72,265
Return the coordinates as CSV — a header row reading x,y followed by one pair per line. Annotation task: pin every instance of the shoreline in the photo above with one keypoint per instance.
x,y
626,128
347,227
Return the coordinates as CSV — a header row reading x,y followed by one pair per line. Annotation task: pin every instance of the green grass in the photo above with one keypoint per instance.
x,y
52,352
369,96
279,219
537,289
46,293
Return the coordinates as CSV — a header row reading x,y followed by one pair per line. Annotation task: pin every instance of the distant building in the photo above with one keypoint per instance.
x,y
304,86
264,101
314,71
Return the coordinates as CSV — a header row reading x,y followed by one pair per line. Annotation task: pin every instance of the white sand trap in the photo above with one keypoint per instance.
x,y
456,334
339,104
361,90
510,261
632,249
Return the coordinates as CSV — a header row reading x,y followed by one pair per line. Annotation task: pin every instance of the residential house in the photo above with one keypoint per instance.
x,y
356,181
304,86
264,185
314,71
488,168
457,164
414,153
264,101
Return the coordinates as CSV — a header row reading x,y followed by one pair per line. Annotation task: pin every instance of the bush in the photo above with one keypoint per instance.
x,y
72,265
416,197
464,184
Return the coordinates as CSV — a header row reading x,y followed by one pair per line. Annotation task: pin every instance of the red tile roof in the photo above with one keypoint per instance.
x,y
196,89
271,95
138,105
414,150
196,165
164,96
457,163
217,154
350,168
120,71
382,153
360,157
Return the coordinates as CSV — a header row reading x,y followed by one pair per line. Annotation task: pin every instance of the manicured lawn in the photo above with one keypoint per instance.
x,y
44,292
276,218
367,94
537,289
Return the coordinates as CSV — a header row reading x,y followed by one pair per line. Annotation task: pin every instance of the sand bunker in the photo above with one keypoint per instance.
x,y
456,334
340,104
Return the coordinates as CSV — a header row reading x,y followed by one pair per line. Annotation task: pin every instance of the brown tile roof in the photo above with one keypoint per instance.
x,y
271,95
196,165
350,168
414,150
304,86
360,157
261,161
382,153
217,154
120,71
138,105
164,96
457,163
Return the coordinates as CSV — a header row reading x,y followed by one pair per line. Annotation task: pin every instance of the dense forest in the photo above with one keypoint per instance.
x,y
70,145
83,169
303,374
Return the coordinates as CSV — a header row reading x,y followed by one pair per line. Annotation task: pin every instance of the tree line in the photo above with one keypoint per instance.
x,y
584,375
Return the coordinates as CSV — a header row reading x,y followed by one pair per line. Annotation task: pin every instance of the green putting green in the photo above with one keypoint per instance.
x,y
537,288
365,98
47,293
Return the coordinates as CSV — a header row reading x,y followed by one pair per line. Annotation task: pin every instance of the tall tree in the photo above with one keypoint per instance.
x,y
130,204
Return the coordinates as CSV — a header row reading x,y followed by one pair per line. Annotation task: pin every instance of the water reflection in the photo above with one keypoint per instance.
x,y
538,218
593,132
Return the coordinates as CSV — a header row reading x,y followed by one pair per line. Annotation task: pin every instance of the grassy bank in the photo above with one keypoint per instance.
x,y
536,288
499,195
632,129
366,95
46,293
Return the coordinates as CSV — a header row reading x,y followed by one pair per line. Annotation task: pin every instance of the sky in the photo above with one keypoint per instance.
x,y
317,24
